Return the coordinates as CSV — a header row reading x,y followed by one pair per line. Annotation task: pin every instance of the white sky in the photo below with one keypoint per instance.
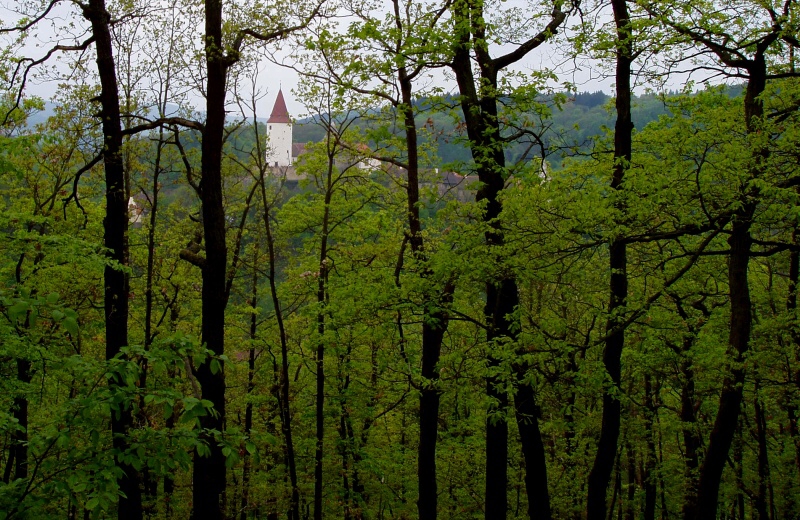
x,y
585,76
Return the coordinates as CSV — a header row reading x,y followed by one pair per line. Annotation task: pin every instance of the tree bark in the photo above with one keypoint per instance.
x,y
322,280
762,508
244,505
600,475
115,240
741,318
479,106
434,318
209,478
650,493
284,400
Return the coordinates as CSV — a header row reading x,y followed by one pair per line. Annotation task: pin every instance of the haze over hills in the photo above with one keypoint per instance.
x,y
568,128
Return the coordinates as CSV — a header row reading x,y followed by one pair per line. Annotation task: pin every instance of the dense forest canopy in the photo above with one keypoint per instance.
x,y
480,291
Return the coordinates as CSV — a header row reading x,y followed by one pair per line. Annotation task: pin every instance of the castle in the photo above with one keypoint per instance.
x,y
282,155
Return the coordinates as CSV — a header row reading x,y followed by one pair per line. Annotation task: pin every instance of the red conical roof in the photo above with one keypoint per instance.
x,y
279,112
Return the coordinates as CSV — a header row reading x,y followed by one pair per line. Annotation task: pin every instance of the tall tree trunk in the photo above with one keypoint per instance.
x,y
691,441
434,318
479,106
731,396
651,459
115,240
600,475
738,467
630,504
149,481
320,353
209,478
284,400
18,452
502,298
244,505
761,500
794,372
741,315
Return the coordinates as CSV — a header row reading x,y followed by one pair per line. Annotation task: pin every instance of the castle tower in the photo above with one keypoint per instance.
x,y
279,134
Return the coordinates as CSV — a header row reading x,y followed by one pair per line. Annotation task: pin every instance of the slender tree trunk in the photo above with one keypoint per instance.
x,y
527,415
630,505
616,491
761,499
691,442
650,493
115,240
434,319
149,481
600,475
169,478
662,488
479,106
320,354
244,505
18,454
738,467
794,372
345,447
502,298
283,386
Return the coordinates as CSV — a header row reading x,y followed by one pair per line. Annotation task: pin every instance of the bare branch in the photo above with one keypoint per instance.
x,y
520,52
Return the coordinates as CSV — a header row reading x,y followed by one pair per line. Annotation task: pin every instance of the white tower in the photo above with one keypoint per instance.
x,y
279,134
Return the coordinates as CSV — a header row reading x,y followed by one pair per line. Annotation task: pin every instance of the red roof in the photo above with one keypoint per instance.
x,y
298,149
279,112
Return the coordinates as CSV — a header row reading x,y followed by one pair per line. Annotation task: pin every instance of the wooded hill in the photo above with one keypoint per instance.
x,y
573,125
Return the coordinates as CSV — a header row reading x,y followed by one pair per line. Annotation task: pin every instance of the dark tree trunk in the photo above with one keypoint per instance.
x,y
600,475
691,441
502,298
150,483
209,479
527,415
616,491
794,372
18,454
650,493
731,396
761,500
630,505
738,467
115,239
479,106
434,319
244,505
320,354
169,477
741,314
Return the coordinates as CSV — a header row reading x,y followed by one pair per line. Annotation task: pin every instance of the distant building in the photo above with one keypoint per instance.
x,y
282,158
279,134
135,212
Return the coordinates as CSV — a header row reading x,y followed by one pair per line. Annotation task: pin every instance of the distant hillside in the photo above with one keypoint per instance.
x,y
570,129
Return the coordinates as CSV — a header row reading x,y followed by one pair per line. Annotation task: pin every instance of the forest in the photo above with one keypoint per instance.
x,y
600,322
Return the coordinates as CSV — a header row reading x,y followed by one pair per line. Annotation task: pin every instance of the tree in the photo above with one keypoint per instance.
x,y
746,53
479,103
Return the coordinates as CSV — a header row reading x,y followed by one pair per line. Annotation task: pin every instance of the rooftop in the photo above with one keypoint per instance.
x,y
279,112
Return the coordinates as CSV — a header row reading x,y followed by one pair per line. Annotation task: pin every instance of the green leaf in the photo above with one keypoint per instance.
x,y
71,324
